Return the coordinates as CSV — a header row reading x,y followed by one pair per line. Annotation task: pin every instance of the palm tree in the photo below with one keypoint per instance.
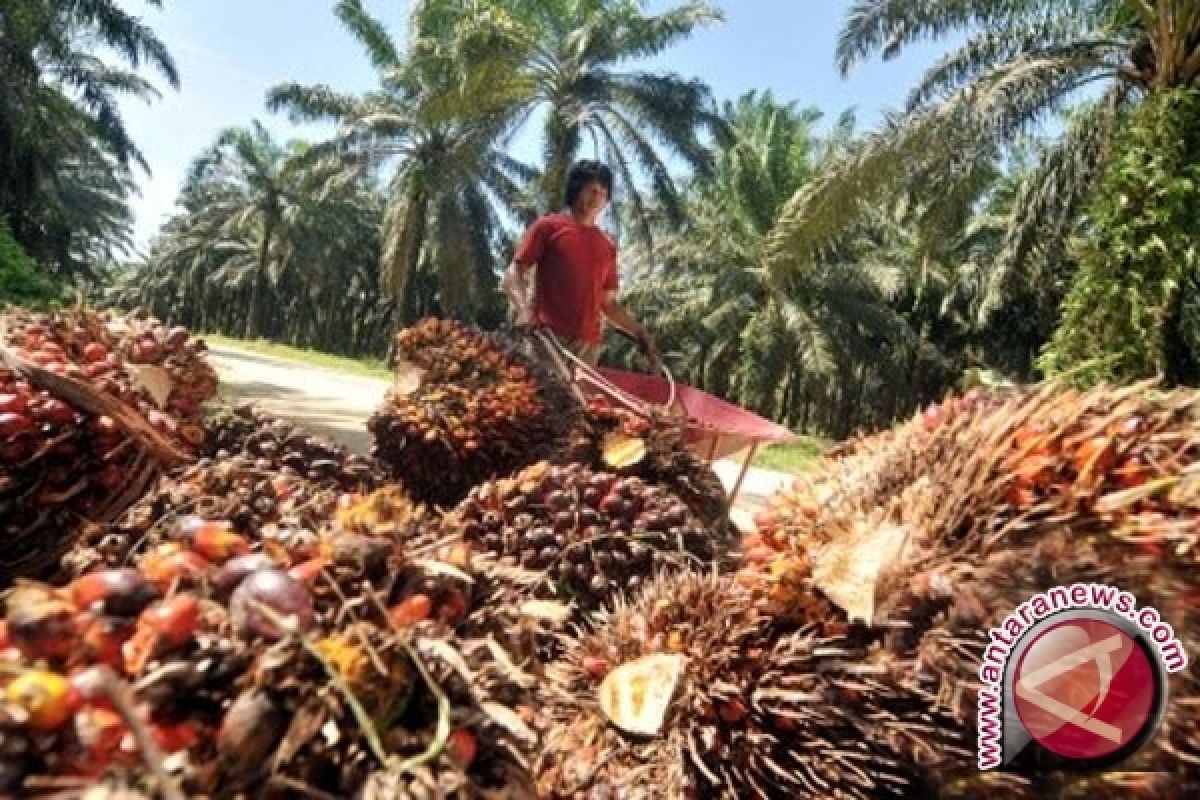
x,y
452,184
66,156
1023,60
254,201
780,347
572,62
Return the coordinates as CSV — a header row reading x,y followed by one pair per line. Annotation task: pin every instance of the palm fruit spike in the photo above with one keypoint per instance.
x,y
568,532
466,406
755,712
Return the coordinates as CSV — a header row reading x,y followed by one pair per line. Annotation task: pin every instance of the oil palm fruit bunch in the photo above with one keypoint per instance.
x,y
466,406
75,415
575,534
688,690
145,341
871,472
281,509
163,373
249,432
983,509
652,447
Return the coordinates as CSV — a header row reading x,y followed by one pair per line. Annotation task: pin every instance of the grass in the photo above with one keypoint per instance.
x,y
792,457
370,367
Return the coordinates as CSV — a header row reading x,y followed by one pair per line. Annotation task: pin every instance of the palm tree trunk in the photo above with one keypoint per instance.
x,y
564,141
253,316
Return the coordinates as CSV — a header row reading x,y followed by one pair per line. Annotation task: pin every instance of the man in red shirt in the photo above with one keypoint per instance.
x,y
576,270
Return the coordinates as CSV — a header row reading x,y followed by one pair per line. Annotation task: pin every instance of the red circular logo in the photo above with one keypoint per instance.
x,y
1084,689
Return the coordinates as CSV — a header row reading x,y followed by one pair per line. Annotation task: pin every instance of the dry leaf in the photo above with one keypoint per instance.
x,y
546,610
408,377
636,695
620,451
155,380
849,570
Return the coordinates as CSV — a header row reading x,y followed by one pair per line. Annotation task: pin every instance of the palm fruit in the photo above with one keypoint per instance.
x,y
466,406
79,402
653,448
273,444
1042,488
571,533
689,691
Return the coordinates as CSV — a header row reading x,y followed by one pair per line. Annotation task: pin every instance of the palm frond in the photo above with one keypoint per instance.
x,y
887,26
1050,196
369,32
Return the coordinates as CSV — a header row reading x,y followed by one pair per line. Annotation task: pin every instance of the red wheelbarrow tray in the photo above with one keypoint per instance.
x,y
715,429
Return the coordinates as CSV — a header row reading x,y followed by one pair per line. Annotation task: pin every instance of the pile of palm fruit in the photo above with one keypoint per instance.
x,y
466,406
92,406
222,661
280,618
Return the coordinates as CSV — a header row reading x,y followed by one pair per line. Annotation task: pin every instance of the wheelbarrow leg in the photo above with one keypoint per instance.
x,y
737,485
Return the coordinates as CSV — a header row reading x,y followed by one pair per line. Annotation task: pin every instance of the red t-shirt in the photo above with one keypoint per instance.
x,y
576,265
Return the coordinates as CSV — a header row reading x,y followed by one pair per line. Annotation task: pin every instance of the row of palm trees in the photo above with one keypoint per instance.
x,y
66,158
825,277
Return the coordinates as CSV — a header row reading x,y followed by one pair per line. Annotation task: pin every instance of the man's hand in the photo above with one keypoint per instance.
x,y
524,315
648,347
517,290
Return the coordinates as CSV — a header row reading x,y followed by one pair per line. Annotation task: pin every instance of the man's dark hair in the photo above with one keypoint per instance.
x,y
583,173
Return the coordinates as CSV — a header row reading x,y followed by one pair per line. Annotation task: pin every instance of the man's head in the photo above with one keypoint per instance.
x,y
589,188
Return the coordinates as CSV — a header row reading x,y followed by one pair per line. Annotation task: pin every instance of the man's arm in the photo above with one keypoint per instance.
x,y
516,284
625,321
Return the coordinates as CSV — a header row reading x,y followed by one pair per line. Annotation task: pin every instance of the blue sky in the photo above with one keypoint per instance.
x,y
229,52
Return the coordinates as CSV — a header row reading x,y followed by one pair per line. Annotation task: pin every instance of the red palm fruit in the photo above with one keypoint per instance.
x,y
308,572
411,610
1095,455
216,542
14,424
170,563
54,411
1131,472
462,746
13,403
453,607
121,592
174,736
95,352
104,637
175,619
44,628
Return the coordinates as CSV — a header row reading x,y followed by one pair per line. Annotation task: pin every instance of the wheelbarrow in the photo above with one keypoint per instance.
x,y
713,428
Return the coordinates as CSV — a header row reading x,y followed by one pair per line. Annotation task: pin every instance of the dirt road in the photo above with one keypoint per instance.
x,y
337,404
